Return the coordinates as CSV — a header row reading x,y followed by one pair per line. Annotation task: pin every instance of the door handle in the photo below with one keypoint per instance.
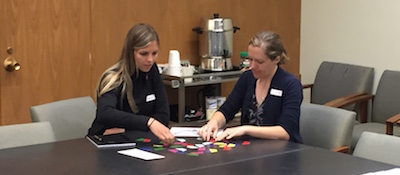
x,y
11,64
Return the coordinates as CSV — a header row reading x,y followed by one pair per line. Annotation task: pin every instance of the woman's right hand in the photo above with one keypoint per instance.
x,y
114,131
209,129
161,131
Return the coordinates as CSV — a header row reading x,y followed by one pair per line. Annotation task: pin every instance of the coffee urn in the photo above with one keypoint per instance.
x,y
216,43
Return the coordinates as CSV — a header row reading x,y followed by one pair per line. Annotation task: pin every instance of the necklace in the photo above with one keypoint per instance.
x,y
262,89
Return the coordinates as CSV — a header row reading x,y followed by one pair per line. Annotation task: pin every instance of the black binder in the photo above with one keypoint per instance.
x,y
111,141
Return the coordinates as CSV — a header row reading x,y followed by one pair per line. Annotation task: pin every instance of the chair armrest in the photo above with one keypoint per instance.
x,y
342,149
346,100
361,98
390,122
305,86
310,86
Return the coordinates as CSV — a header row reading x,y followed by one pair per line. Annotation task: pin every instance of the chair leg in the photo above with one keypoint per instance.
x,y
389,128
363,111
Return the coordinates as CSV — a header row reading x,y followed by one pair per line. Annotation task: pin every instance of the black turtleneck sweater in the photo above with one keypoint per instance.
x,y
150,97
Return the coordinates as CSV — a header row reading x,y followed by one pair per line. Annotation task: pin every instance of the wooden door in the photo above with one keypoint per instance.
x,y
51,42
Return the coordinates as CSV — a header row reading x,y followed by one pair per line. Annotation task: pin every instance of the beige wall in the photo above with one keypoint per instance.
x,y
363,32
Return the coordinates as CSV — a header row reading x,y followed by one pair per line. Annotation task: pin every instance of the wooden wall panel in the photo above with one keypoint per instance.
x,y
63,46
51,42
174,20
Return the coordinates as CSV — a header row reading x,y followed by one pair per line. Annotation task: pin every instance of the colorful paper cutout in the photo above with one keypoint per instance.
x,y
246,143
192,149
192,154
212,150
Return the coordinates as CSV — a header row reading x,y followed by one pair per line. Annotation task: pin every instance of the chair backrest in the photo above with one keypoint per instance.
x,y
326,127
386,102
334,80
69,118
378,147
25,134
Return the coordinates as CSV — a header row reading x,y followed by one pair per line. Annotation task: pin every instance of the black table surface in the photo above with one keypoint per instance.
x,y
309,161
79,156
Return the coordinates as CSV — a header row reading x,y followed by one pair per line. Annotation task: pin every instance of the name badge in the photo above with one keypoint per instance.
x,y
150,97
276,92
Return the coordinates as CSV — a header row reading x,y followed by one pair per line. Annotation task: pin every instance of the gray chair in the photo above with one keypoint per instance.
x,y
385,107
335,82
378,147
326,127
17,135
70,118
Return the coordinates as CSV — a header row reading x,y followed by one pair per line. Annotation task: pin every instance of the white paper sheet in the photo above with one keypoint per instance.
x,y
394,171
188,131
137,153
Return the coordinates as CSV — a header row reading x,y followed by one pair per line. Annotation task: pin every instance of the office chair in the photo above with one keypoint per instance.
x,y
385,107
378,147
326,127
337,82
70,118
25,134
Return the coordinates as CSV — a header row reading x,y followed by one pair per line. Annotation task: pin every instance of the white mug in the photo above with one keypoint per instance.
x,y
188,71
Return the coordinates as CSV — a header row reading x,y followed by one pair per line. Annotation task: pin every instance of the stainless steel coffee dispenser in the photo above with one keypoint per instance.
x,y
216,43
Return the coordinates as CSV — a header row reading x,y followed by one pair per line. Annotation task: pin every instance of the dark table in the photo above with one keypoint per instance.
x,y
260,157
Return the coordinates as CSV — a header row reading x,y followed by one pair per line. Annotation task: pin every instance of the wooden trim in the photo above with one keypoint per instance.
x,y
342,149
390,123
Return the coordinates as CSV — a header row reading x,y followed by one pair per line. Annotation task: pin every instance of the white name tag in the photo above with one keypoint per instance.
x,y
276,92
150,97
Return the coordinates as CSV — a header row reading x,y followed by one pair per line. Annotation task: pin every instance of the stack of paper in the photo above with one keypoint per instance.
x,y
188,131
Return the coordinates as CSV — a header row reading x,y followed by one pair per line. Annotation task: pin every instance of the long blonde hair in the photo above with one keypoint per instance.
x,y
139,36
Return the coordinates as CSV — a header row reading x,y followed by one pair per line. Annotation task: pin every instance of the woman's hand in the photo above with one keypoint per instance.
x,y
212,126
232,132
161,131
113,131
208,130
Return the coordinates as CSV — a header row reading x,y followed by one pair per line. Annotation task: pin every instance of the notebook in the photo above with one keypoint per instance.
x,y
111,141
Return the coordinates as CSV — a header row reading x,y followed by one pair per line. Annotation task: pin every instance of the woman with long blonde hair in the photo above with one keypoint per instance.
x,y
131,94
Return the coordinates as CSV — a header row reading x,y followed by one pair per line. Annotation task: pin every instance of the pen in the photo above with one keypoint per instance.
x,y
98,138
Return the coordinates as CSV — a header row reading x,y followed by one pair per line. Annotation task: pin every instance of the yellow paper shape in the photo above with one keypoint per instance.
x,y
213,150
231,145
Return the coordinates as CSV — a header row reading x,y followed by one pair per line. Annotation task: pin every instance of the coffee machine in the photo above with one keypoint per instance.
x,y
216,43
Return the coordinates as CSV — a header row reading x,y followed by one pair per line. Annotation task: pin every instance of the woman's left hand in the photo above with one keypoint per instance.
x,y
232,132
161,131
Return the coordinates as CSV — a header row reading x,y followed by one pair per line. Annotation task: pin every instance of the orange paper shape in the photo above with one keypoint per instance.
x,y
226,148
246,143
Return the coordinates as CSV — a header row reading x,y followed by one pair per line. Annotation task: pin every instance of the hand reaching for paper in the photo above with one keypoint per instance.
x,y
161,131
209,130
229,133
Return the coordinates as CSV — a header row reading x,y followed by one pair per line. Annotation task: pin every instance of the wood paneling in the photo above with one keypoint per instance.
x,y
51,41
63,46
174,20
